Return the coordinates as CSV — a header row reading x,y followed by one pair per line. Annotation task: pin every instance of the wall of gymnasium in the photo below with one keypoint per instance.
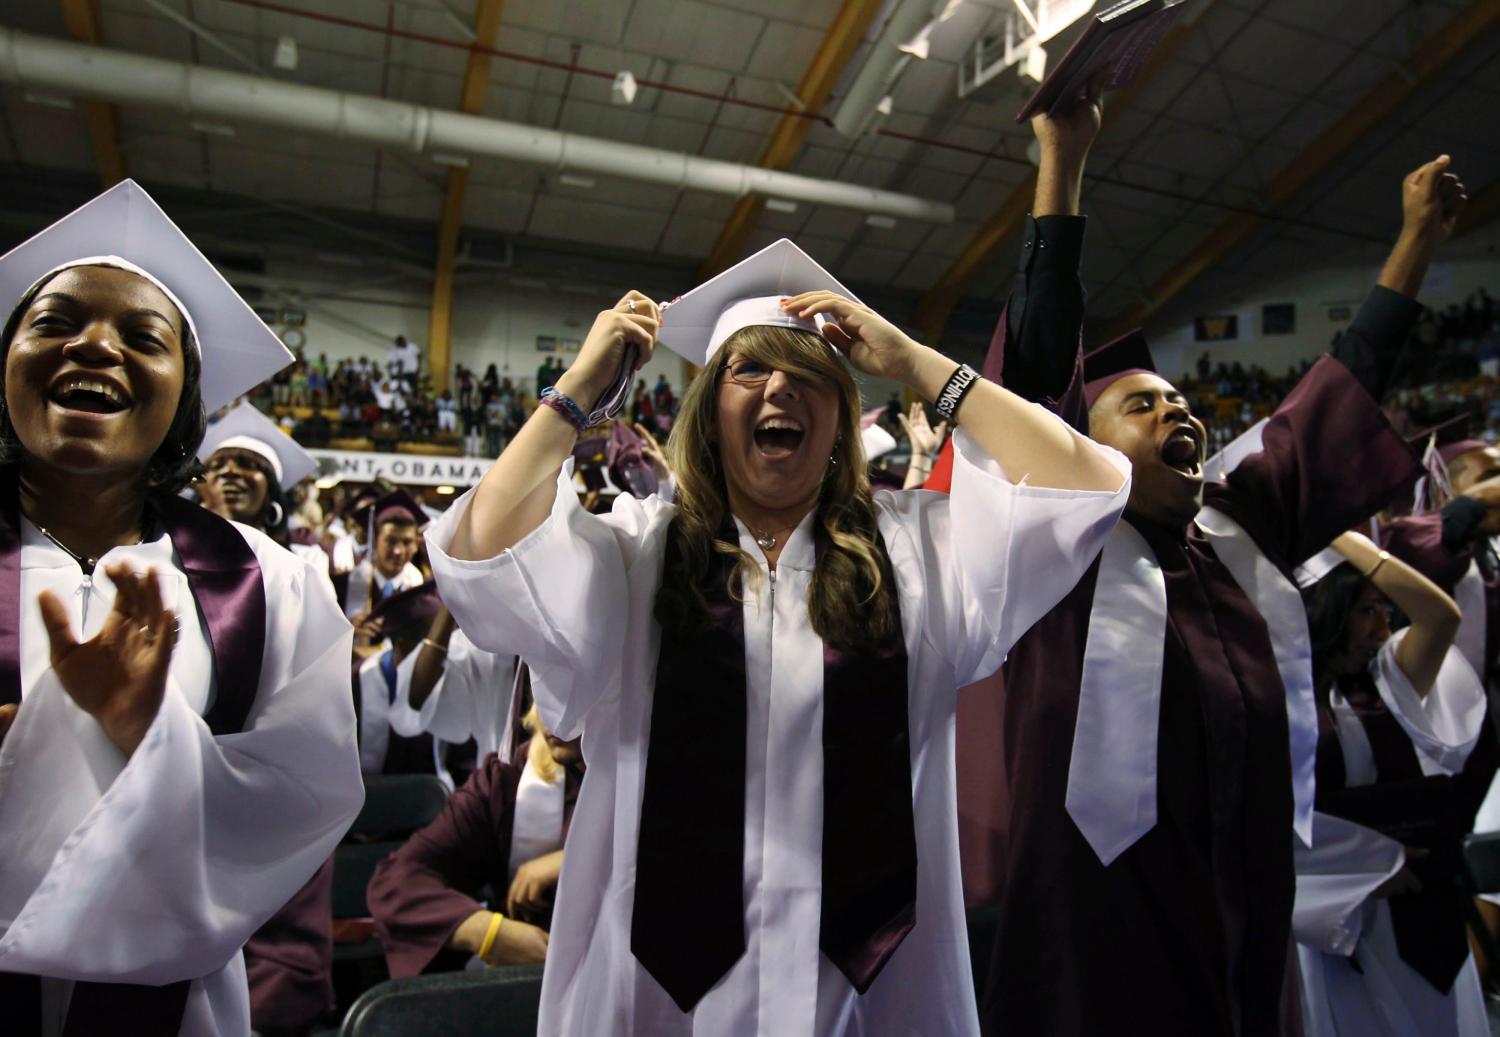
x,y
491,324
499,325
1320,298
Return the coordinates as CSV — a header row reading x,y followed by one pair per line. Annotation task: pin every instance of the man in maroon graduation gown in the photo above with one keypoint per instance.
x,y
1187,929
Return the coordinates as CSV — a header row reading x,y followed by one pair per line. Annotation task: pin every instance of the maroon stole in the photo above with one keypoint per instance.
x,y
1414,809
225,579
688,923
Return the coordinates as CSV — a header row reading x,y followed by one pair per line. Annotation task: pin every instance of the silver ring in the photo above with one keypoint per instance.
x,y
149,635
631,304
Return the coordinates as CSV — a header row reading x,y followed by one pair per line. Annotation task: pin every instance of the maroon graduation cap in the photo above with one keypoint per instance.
x,y
1452,438
398,504
408,614
1112,361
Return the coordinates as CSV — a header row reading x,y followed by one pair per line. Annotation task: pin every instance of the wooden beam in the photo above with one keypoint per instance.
x,y
450,222
1430,58
937,305
82,20
839,44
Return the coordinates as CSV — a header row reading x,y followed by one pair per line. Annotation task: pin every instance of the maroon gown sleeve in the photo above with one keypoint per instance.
x,y
421,893
1331,459
289,960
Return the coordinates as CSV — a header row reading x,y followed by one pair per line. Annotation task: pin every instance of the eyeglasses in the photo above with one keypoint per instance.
x,y
755,373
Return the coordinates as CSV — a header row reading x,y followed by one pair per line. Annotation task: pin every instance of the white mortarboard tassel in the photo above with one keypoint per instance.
x,y
125,228
748,294
246,428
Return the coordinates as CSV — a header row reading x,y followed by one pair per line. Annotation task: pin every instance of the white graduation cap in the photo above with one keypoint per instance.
x,y
746,295
245,428
124,228
1248,442
877,441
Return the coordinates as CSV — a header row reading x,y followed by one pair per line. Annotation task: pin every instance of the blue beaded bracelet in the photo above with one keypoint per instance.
x,y
565,405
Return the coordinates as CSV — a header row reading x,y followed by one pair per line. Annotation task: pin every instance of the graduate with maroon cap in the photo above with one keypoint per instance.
x,y
395,524
397,625
1158,730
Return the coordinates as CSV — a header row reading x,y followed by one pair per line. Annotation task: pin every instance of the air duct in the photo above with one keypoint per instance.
x,y
45,64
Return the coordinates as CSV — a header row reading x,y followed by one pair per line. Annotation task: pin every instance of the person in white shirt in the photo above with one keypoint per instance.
x,y
173,767
764,672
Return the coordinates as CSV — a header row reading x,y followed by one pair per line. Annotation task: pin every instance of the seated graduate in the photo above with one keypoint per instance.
x,y
391,736
1380,926
503,830
1159,731
451,688
250,469
745,860
395,524
176,768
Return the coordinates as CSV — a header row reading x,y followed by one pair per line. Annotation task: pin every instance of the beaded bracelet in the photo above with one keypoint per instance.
x,y
567,407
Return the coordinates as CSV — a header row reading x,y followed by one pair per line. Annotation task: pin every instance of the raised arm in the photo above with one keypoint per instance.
x,y
1027,443
1434,616
432,658
516,495
1431,199
1044,315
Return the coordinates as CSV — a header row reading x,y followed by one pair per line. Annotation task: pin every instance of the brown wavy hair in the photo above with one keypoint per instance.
x,y
851,602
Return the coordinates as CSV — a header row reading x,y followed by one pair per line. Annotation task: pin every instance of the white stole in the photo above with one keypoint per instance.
x,y
1468,593
374,715
1112,773
536,825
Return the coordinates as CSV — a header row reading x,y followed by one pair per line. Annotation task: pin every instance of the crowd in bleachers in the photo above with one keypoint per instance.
x,y
370,403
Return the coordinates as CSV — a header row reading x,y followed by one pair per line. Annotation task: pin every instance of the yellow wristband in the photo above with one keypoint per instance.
x,y
490,934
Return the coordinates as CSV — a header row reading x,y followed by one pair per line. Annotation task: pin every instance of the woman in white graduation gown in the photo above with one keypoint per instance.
x,y
174,767
764,672
1379,913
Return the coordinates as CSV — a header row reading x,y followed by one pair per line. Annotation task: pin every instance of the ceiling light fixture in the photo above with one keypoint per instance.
x,y
285,57
622,91
574,180
781,205
875,219
451,159
216,129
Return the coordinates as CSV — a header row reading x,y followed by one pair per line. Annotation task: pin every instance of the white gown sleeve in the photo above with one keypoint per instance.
x,y
1334,879
1444,726
997,555
199,839
558,599
471,698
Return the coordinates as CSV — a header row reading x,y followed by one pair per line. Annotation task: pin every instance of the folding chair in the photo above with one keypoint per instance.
x,y
501,1002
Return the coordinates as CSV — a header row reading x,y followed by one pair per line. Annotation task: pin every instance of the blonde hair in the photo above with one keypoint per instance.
x,y
539,753
851,601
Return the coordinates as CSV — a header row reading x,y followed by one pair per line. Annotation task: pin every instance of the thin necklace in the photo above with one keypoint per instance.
x,y
85,563
767,538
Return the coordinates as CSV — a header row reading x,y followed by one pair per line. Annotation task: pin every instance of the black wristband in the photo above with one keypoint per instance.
x,y
952,396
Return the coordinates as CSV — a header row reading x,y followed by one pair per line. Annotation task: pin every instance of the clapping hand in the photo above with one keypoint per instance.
x,y
7,718
120,676
926,441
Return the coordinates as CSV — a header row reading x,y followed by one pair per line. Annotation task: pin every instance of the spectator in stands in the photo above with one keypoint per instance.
x,y
404,362
447,412
662,400
641,412
464,378
503,830
298,395
496,424
490,384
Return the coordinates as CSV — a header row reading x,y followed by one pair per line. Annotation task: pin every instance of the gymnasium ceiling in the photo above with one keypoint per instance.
x,y
1249,90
